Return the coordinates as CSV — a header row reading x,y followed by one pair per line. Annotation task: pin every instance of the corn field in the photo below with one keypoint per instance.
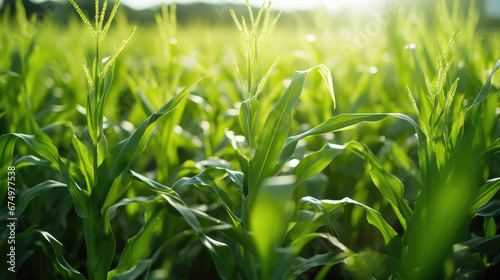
x,y
313,145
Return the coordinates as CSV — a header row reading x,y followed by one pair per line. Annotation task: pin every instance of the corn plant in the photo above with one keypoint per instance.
x,y
101,167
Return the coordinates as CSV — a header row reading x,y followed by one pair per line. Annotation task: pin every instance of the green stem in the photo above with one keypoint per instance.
x,y
95,115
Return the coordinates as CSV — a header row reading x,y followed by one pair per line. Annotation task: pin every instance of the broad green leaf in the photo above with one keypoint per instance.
x,y
492,150
354,258
139,247
301,265
42,145
307,222
315,162
147,107
155,186
485,90
245,119
269,220
345,120
223,258
205,181
274,134
26,196
473,113
84,161
484,194
303,240
138,269
190,215
237,178
21,236
485,245
333,124
491,209
393,243
327,77
389,186
118,188
127,201
33,161
54,249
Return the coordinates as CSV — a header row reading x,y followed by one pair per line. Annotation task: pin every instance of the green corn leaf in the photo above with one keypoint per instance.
x,y
127,201
354,259
54,249
306,238
30,160
327,77
139,246
473,113
249,120
26,196
312,223
21,236
42,145
389,186
237,178
393,243
315,162
189,215
245,118
307,222
274,134
301,265
484,194
118,188
485,245
343,121
84,161
205,181
128,150
142,265
139,268
491,151
222,257
147,106
155,186
269,220
491,209
485,90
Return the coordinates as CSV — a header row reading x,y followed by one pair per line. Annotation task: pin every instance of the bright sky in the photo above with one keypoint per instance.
x,y
276,4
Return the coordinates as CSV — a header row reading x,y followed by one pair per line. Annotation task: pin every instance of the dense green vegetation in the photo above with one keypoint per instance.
x,y
356,145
